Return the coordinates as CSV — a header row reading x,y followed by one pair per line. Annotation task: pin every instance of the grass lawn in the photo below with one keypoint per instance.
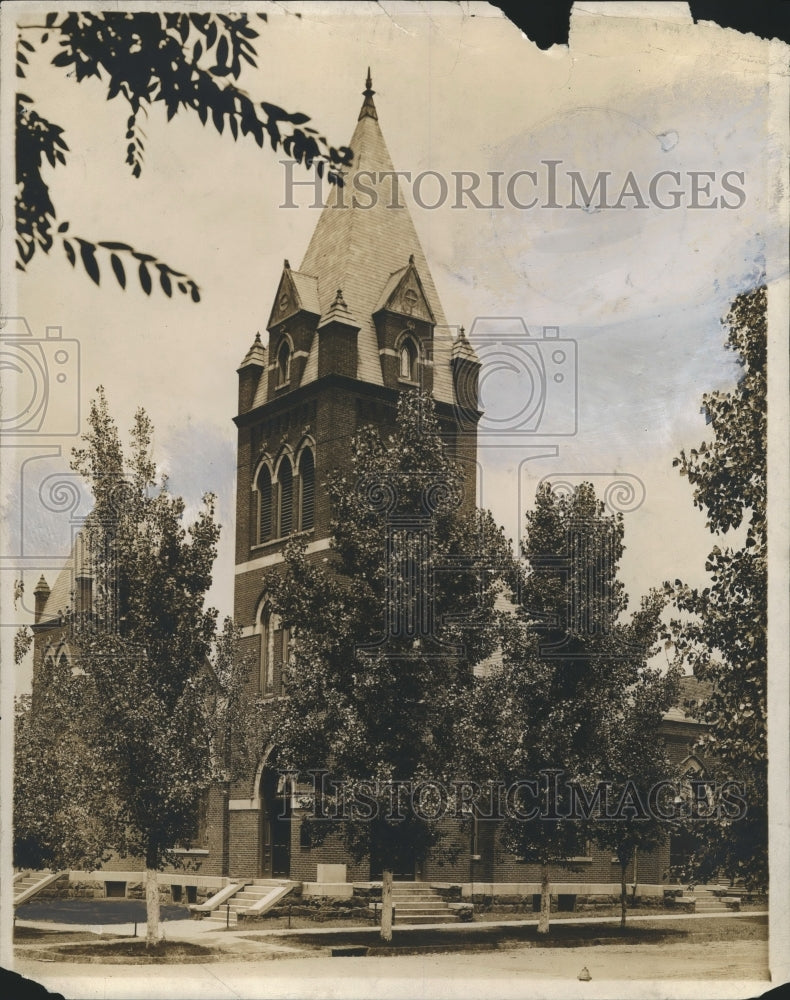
x,y
130,952
37,935
561,935
96,911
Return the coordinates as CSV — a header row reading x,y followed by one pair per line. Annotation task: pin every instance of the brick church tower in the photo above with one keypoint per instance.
x,y
355,325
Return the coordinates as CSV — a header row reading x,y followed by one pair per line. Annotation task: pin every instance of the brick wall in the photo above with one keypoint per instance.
x,y
217,821
245,848
304,860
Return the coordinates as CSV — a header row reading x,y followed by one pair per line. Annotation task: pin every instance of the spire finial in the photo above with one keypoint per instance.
x,y
258,337
368,107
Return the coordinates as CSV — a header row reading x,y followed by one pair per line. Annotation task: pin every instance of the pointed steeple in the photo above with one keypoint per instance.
x,y
339,313
256,354
368,107
363,236
252,375
462,349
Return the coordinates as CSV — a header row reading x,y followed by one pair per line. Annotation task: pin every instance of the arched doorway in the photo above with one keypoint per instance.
x,y
275,793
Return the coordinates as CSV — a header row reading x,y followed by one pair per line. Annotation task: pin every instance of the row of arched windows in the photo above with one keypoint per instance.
x,y
286,497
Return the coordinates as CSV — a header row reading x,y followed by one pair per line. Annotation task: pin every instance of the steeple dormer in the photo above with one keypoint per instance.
x,y
292,324
404,327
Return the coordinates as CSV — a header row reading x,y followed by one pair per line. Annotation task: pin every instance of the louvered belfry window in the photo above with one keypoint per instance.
x,y
265,505
408,360
286,477
307,476
280,657
284,363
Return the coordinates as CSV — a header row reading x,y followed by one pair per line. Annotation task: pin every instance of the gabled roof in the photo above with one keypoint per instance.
x,y
60,598
297,292
404,294
359,248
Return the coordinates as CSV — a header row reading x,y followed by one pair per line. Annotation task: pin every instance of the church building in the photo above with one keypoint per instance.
x,y
355,324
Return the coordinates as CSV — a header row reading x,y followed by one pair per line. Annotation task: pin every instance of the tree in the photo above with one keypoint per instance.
x,y
633,757
571,666
723,632
61,817
150,695
188,62
385,636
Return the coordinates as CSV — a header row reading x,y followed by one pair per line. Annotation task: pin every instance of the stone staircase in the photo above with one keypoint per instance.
x,y
252,894
28,883
418,903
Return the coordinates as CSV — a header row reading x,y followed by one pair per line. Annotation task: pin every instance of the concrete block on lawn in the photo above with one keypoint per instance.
x,y
331,873
335,890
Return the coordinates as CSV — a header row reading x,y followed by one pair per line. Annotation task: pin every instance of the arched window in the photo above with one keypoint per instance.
x,y
274,652
283,363
264,505
408,360
307,477
285,476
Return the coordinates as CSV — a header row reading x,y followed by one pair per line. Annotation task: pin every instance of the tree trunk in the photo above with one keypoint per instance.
x,y
386,905
151,907
545,899
623,866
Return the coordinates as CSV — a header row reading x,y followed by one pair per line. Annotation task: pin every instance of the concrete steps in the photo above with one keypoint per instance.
x,y
706,901
251,895
27,884
418,903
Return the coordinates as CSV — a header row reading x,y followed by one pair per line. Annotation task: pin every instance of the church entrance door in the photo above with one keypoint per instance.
x,y
275,859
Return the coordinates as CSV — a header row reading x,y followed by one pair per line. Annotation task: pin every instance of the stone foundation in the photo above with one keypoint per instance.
x,y
320,908
130,885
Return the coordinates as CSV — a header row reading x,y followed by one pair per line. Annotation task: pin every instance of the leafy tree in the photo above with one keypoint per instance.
x,y
188,62
404,555
570,666
62,818
633,758
723,632
154,699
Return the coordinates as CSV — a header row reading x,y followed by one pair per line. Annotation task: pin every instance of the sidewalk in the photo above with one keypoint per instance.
x,y
210,934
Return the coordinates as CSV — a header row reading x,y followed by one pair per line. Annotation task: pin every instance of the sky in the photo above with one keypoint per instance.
x,y
636,291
